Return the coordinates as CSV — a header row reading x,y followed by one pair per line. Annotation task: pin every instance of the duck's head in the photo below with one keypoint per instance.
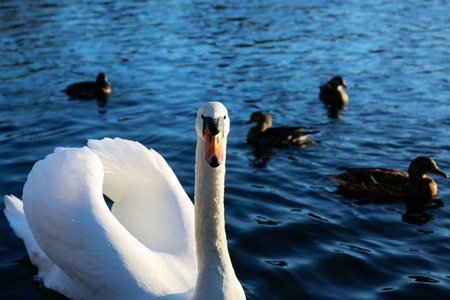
x,y
102,83
213,126
423,165
260,118
338,81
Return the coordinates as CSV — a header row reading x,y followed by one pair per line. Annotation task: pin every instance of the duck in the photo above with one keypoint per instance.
x,y
153,243
392,183
90,89
263,134
332,93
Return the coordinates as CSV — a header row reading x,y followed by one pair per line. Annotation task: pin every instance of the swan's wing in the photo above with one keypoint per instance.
x,y
97,257
49,272
60,198
80,248
149,200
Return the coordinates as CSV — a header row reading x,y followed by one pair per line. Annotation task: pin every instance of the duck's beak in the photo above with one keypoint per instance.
x,y
214,148
248,122
344,84
106,88
440,173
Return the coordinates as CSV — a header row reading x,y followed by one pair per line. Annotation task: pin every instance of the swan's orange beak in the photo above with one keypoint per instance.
x,y
214,147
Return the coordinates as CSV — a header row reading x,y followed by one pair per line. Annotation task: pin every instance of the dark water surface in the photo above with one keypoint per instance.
x,y
290,236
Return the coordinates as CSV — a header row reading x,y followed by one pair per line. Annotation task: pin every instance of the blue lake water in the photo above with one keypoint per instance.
x,y
290,236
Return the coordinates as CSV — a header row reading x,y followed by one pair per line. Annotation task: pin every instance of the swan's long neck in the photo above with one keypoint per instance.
x,y
214,264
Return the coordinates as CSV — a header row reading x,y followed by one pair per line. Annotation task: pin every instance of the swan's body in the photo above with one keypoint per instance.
x,y
146,247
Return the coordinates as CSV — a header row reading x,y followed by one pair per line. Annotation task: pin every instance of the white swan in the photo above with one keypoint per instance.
x,y
158,249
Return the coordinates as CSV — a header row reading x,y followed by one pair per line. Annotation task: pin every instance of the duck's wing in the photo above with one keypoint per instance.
x,y
286,135
325,87
377,174
93,255
386,181
82,90
325,92
301,136
275,136
284,130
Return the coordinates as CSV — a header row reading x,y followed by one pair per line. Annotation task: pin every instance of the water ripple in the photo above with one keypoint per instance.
x,y
290,235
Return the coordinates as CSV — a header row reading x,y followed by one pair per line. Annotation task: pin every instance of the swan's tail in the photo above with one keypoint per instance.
x,y
18,222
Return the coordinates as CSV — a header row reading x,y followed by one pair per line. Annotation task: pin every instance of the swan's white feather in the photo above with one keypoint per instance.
x,y
49,272
144,248
86,253
144,187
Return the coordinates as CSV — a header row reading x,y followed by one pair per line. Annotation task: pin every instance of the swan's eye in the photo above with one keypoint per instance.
x,y
225,117
203,117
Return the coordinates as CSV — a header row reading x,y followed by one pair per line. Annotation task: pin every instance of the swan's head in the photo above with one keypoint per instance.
x,y
213,125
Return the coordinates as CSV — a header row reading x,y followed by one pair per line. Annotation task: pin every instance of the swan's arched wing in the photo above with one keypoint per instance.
x,y
148,198
97,257
67,216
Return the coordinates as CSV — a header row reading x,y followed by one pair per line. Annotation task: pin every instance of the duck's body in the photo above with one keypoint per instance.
x,y
90,89
388,182
263,134
152,244
332,93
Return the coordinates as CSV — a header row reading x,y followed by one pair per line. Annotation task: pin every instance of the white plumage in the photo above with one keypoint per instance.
x,y
145,247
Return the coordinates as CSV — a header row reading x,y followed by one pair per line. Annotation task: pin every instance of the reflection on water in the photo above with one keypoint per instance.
x,y
334,112
102,102
278,263
290,236
264,221
415,213
262,155
416,218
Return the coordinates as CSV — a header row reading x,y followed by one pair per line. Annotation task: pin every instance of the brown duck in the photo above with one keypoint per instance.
x,y
389,182
332,93
90,89
284,136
